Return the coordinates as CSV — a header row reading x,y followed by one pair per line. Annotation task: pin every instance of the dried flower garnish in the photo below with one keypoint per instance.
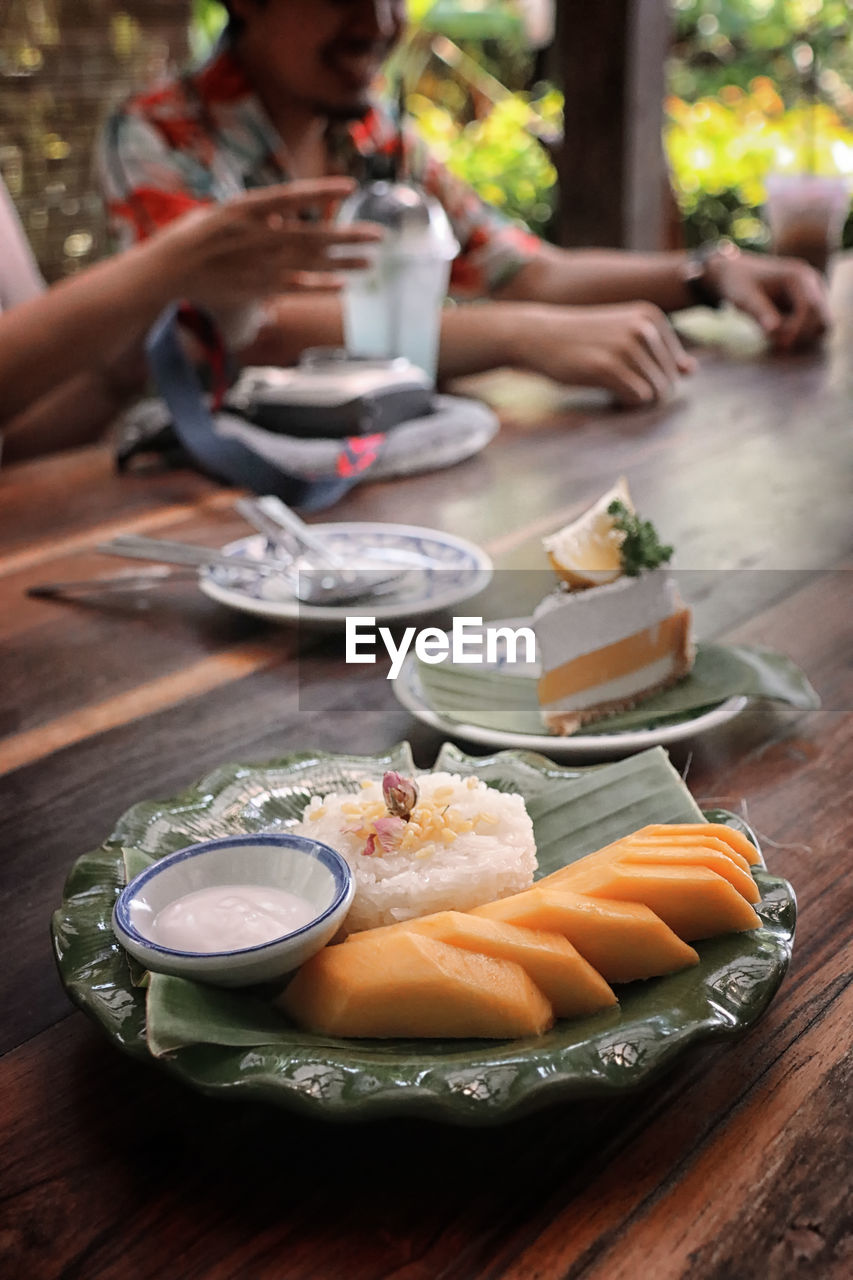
x,y
400,794
386,832
385,836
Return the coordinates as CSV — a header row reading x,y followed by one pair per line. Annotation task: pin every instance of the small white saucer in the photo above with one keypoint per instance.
x,y
408,691
442,571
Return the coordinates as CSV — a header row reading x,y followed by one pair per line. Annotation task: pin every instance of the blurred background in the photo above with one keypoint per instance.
x,y
550,111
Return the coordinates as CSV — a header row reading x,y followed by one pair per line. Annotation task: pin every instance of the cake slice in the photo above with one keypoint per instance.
x,y
621,632
605,648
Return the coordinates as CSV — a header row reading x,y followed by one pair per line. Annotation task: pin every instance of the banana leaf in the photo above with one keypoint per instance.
x,y
235,1044
571,815
501,700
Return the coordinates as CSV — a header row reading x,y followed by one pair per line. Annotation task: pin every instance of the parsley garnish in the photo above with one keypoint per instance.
x,y
641,548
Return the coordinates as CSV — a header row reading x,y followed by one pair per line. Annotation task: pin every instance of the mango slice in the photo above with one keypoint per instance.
x,y
685,844
576,874
410,985
568,981
505,969
730,836
693,901
710,859
624,941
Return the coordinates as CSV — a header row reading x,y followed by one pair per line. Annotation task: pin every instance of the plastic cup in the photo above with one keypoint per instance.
x,y
806,213
394,307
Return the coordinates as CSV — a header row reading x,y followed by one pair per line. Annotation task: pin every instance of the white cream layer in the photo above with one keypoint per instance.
x,y
569,624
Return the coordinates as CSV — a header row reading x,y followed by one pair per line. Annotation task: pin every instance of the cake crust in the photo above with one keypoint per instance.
x,y
566,723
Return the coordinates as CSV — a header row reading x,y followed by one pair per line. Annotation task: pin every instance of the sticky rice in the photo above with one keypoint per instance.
x,y
463,844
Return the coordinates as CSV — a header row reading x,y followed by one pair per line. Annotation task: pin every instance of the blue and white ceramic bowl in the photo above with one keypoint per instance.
x,y
293,863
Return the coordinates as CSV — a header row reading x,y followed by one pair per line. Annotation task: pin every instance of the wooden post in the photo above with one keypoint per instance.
x,y
608,58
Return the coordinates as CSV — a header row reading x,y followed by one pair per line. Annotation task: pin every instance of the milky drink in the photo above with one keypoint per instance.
x,y
394,307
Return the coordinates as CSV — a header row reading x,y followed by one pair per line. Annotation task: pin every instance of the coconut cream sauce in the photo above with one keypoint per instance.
x,y
229,917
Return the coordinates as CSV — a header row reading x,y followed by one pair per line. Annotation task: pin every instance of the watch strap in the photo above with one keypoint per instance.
x,y
696,281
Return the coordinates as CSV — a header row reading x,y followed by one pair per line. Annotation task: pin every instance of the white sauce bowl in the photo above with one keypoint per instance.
x,y
294,863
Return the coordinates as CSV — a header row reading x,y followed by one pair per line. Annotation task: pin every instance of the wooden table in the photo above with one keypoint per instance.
x,y
736,1164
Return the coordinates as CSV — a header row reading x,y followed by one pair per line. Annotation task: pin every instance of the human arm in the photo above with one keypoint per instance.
x,y
630,350
784,295
570,324
633,339
216,256
635,354
72,414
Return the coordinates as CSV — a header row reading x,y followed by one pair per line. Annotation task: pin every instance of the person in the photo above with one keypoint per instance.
x,y
287,95
70,356
20,278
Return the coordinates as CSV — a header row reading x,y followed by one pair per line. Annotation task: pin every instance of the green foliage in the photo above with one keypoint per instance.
x,y
467,97
498,155
469,19
756,86
640,548
730,42
207,21
722,148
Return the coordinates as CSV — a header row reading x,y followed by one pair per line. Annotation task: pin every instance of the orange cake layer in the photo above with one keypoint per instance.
x,y
606,648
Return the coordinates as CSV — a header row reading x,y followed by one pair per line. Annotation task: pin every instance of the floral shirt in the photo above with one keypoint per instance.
x,y
206,137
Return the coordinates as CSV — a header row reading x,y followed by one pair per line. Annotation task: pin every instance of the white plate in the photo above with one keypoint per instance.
x,y
408,691
443,570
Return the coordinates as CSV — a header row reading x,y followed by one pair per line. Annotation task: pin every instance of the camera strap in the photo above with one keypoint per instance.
x,y
229,458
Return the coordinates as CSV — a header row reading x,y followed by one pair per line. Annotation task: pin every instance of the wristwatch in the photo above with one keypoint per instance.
x,y
695,272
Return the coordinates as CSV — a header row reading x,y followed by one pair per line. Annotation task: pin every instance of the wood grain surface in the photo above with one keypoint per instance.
x,y
735,1165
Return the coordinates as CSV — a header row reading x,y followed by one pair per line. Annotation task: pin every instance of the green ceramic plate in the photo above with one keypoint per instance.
x,y
232,1043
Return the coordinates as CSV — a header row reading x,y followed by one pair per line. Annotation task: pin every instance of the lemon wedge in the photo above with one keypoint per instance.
x,y
587,552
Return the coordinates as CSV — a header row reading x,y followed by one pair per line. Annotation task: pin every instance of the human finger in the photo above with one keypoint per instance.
x,y
315,248
331,257
661,351
809,316
752,298
631,387
684,362
321,266
312,282
325,233
344,264
796,331
650,370
297,195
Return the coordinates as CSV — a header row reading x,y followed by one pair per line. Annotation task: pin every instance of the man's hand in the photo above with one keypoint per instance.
x,y
629,348
786,296
263,243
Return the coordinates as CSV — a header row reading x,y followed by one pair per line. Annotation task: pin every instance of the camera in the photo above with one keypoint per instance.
x,y
330,394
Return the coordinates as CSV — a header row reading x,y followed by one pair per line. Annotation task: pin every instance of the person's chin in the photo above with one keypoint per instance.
x,y
348,83
354,109
344,102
